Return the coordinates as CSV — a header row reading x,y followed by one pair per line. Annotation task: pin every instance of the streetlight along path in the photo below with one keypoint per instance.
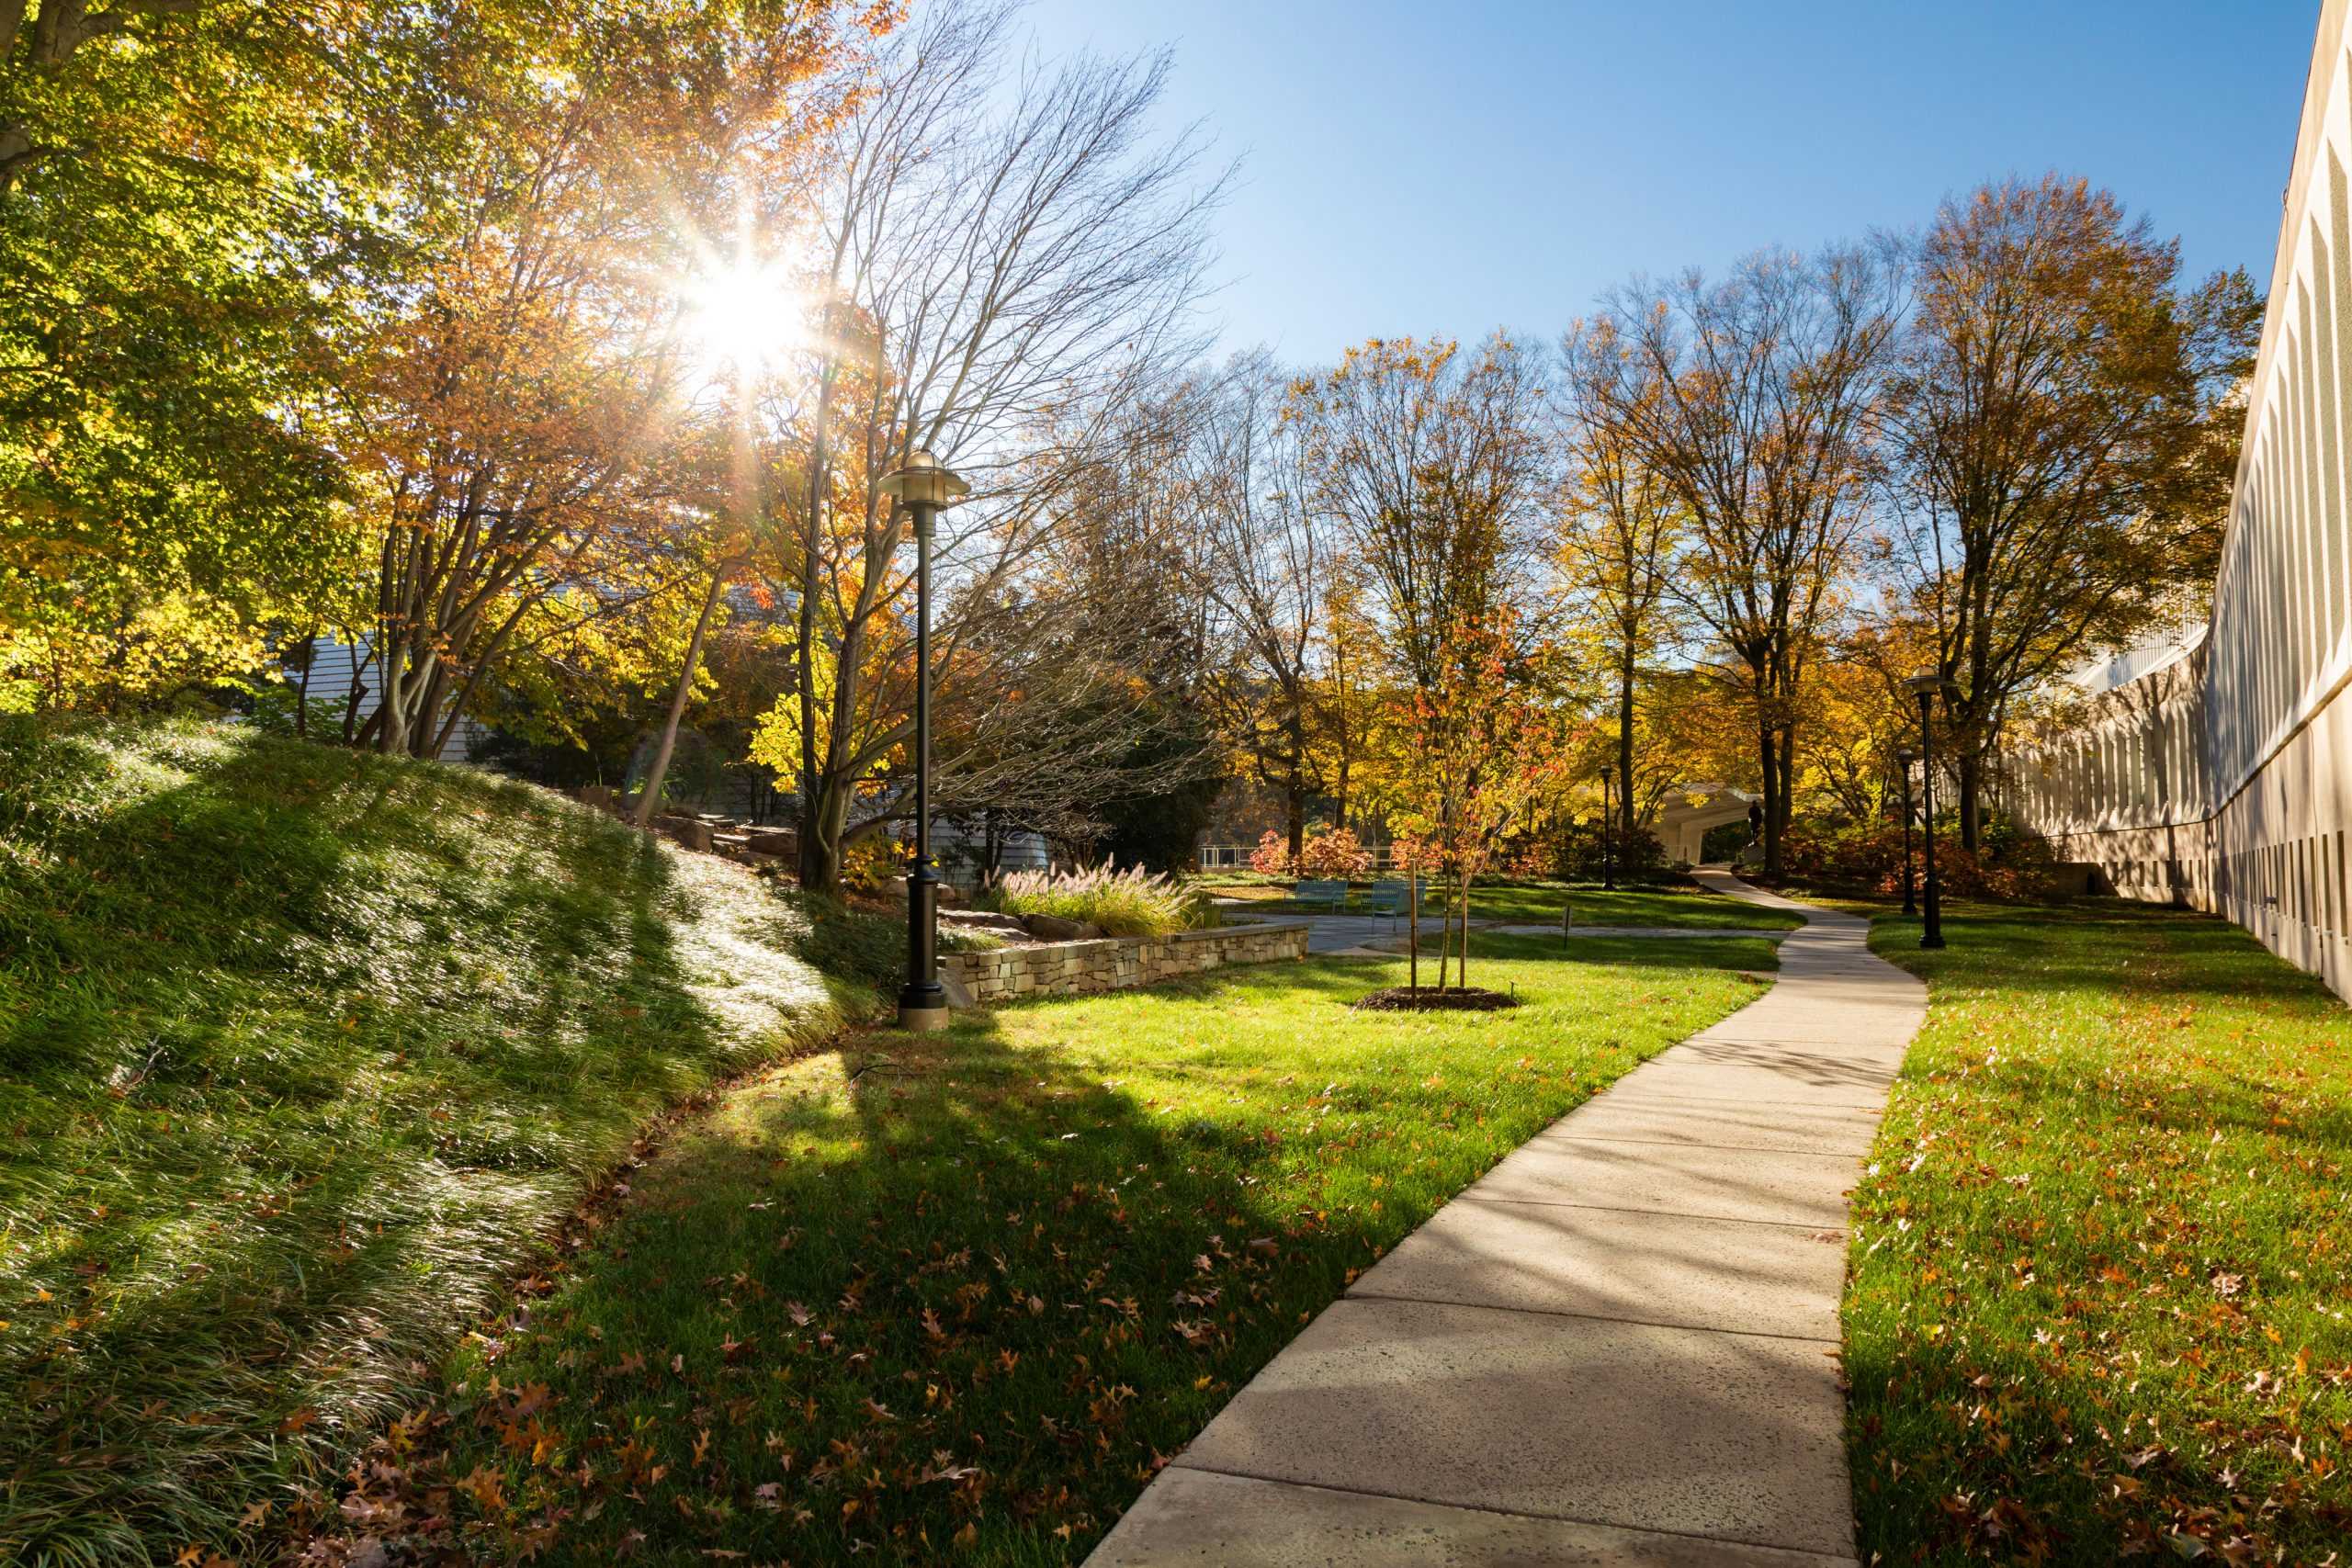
x,y
1619,1347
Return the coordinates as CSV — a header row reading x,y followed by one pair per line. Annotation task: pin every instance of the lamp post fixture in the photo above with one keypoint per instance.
x,y
1903,760
1608,871
1925,685
925,486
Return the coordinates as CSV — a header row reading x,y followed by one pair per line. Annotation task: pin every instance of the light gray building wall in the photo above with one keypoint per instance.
x,y
2223,779
336,668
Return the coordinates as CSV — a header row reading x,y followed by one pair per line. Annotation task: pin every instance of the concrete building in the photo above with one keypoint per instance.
x,y
2222,777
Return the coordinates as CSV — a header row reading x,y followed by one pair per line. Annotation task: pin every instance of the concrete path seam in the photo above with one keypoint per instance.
x,y
1809,1226
1609,1351
1595,1316
1777,1555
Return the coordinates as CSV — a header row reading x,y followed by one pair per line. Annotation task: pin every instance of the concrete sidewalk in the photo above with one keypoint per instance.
x,y
1618,1347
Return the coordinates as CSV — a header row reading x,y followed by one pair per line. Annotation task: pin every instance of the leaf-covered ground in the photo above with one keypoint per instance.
x,y
954,1298
2102,1264
303,1051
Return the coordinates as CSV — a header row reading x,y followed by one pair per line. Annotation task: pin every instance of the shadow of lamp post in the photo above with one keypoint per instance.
x,y
925,486
1925,685
1902,760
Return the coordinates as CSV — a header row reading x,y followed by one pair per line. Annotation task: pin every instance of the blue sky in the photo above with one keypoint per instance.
x,y
1417,166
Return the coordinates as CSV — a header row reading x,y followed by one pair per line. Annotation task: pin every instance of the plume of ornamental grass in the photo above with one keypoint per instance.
x,y
1134,902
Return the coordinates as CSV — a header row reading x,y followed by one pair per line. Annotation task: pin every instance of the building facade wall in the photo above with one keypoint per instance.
x,y
336,667
2220,781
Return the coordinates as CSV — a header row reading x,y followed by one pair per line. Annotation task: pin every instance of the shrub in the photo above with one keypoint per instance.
x,y
1867,856
1271,857
1334,854
1578,855
1134,902
1722,844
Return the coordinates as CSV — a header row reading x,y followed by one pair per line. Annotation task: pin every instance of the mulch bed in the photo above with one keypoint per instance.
x,y
1399,998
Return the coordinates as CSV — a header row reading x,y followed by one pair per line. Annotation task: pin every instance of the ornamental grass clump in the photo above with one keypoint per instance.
x,y
1134,902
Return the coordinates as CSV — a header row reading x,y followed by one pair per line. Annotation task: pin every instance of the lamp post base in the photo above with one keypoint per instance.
x,y
923,1009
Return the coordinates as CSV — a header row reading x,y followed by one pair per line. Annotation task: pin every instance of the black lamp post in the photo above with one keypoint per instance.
x,y
1925,685
1903,760
925,486
1607,870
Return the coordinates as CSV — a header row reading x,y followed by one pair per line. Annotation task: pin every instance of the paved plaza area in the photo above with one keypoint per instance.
x,y
1617,1348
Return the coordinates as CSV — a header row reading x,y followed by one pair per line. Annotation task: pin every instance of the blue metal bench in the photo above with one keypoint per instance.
x,y
1389,898
1335,894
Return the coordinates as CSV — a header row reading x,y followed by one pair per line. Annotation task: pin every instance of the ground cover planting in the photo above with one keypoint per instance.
x,y
305,1048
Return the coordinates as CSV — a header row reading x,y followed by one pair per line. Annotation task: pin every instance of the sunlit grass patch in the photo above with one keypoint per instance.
x,y
1540,903
2102,1264
955,1297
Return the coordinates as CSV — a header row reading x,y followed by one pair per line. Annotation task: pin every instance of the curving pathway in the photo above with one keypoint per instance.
x,y
1618,1347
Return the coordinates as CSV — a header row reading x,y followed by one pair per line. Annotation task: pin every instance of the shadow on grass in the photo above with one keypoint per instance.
x,y
986,1280
947,1288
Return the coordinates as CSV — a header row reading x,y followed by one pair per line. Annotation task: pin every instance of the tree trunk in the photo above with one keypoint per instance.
x,y
1461,968
1768,755
425,731
1413,928
1444,922
1625,745
303,693
653,775
824,818
1970,767
1788,776
352,699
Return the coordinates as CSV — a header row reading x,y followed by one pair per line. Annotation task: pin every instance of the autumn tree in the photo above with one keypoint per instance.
x,y
1764,382
1268,562
522,409
1621,524
2060,412
1433,464
1002,268
195,205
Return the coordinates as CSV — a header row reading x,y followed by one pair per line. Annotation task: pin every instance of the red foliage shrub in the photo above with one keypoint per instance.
x,y
1334,854
1869,857
1271,857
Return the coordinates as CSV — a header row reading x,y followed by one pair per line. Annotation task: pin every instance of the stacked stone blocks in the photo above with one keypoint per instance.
x,y
1112,964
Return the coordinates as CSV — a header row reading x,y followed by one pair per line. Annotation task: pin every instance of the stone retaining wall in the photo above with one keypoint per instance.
x,y
1112,964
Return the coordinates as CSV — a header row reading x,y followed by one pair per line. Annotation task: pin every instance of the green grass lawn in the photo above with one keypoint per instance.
x,y
1688,909
1539,903
2102,1264
955,1297
304,1051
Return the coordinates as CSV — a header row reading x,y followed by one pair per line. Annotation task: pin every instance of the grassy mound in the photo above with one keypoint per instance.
x,y
299,1052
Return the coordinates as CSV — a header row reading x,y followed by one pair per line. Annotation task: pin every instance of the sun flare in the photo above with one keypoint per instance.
x,y
746,319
